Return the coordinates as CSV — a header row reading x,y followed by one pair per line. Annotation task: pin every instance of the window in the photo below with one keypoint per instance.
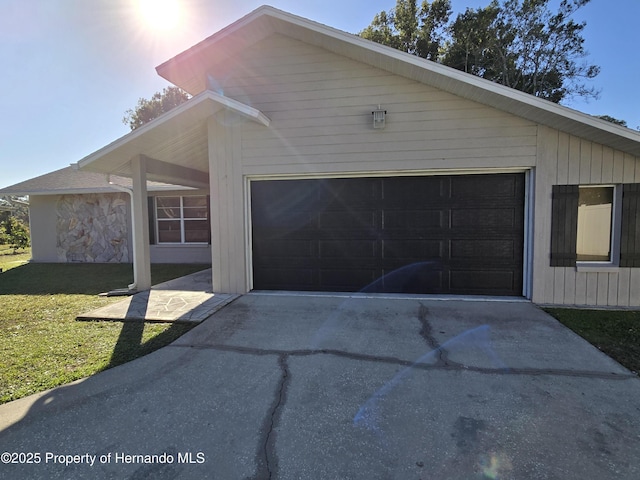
x,y
592,224
595,215
182,219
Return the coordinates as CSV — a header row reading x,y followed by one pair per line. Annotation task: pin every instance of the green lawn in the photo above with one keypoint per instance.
x,y
41,343
8,259
615,332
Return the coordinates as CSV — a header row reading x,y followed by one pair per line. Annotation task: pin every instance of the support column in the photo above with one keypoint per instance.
x,y
228,254
140,225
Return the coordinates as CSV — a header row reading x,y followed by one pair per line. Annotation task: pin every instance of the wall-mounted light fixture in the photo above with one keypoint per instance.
x,y
379,118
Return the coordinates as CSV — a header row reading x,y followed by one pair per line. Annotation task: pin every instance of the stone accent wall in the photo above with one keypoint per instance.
x,y
92,228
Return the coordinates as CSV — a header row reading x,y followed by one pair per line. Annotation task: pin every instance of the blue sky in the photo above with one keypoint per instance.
x,y
71,68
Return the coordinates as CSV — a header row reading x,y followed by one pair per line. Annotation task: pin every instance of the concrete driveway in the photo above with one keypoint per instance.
x,y
330,387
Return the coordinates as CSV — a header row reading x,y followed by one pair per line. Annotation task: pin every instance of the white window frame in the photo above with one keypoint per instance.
x,y
613,263
181,219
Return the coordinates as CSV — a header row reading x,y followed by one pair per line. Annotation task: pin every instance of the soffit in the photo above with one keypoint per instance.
x,y
179,137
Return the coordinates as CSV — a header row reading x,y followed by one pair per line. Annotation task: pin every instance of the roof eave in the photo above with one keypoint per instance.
x,y
204,104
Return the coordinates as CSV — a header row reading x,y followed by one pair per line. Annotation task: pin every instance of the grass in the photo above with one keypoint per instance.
x,y
615,332
43,346
9,259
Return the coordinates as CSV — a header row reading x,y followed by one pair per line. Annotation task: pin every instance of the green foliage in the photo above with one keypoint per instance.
x,y
519,43
15,233
611,119
412,29
159,103
16,206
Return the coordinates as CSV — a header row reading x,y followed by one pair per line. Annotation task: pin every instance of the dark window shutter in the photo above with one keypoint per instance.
x,y
564,225
152,221
630,238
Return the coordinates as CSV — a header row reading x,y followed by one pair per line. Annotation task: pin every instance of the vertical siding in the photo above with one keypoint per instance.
x,y
566,159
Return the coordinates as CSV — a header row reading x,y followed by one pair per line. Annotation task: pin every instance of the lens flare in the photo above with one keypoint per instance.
x,y
494,466
160,14
478,337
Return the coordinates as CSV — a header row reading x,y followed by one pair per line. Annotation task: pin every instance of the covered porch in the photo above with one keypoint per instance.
x,y
192,145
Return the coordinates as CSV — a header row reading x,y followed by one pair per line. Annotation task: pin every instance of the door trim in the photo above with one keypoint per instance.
x,y
529,184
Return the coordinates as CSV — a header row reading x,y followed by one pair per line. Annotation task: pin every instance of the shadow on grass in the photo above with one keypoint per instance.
x,y
82,278
129,345
56,278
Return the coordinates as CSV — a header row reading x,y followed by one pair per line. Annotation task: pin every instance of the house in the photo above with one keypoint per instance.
x,y
337,164
79,216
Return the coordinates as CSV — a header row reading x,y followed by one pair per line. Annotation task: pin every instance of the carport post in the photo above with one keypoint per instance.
x,y
140,225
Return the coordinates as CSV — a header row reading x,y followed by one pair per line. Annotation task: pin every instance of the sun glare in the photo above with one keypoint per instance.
x,y
160,14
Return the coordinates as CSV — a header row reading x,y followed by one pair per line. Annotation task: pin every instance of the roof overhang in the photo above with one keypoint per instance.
x,y
175,144
189,71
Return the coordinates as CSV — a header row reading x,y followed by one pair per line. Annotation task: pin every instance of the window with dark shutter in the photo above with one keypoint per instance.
x,y
630,237
564,225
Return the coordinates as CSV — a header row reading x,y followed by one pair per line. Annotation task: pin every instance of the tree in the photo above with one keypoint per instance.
x,y
609,118
15,233
519,43
407,27
159,103
17,206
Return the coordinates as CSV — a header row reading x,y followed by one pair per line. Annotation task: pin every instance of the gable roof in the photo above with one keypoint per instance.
x,y
70,180
189,69
178,133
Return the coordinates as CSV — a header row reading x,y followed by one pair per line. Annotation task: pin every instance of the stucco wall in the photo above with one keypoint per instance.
x,y
42,220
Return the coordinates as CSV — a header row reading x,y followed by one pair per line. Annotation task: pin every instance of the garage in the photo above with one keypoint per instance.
x,y
443,234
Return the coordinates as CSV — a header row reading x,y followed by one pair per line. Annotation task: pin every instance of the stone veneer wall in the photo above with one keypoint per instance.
x,y
92,228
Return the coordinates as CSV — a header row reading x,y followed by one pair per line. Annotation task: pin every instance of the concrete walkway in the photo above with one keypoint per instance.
x,y
186,299
337,387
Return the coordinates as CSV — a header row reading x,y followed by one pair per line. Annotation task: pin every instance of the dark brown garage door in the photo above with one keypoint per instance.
x,y
439,234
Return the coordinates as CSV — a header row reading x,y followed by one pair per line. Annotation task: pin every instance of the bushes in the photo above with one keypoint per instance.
x,y
15,233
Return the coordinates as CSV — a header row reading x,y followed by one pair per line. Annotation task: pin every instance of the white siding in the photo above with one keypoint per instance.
x,y
320,105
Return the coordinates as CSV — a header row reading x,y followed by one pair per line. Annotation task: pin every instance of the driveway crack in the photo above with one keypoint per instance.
x,y
448,365
266,456
426,332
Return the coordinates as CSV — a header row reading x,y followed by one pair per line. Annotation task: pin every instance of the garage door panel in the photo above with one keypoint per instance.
x,y
285,278
343,279
482,282
347,250
283,248
412,250
484,251
286,204
444,234
474,187
413,219
494,218
417,277
403,192
351,219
